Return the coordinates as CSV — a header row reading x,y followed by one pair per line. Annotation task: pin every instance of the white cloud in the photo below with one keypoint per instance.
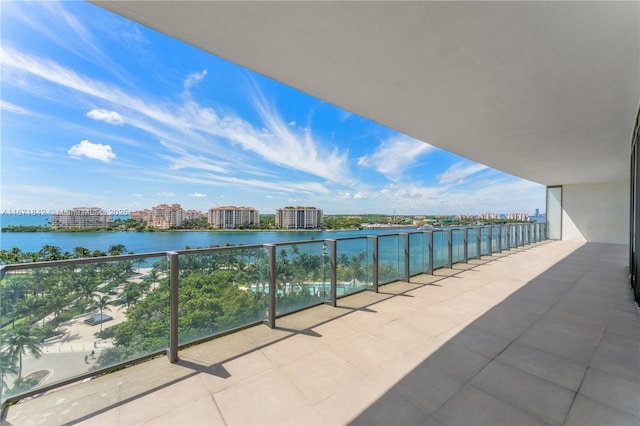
x,y
166,194
344,195
110,117
360,195
459,171
6,106
94,151
193,79
197,195
395,155
364,161
292,123
136,196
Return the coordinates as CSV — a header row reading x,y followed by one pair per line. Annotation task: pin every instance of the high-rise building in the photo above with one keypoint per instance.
x,y
518,216
164,216
140,215
81,218
229,217
299,218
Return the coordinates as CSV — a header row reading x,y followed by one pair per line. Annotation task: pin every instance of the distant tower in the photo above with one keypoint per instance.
x,y
537,212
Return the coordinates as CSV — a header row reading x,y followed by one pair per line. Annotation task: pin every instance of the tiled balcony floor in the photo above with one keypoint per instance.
x,y
547,334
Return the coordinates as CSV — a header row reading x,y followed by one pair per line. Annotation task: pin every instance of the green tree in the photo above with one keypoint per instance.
x,y
101,303
7,366
22,342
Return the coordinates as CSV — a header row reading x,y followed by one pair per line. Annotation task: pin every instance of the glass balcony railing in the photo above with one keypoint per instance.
x,y
67,320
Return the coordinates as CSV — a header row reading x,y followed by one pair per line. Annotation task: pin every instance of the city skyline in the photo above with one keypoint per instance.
x,y
100,111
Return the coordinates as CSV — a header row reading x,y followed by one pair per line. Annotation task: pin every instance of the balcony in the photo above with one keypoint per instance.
x,y
536,333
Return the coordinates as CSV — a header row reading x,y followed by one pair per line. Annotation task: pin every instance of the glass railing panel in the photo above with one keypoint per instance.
x,y
472,243
505,237
354,258
298,276
440,249
457,238
484,241
519,235
66,321
512,236
220,290
390,258
495,239
418,253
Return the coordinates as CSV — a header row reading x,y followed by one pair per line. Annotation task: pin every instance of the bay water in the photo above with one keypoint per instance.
x,y
144,242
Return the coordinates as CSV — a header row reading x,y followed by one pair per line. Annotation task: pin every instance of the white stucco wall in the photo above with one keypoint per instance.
x,y
597,212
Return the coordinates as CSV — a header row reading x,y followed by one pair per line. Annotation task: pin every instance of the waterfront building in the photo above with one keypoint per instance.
x,y
140,215
488,216
81,218
518,216
299,218
229,217
464,216
165,216
192,214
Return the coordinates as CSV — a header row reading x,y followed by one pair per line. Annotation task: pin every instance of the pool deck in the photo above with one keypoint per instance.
x,y
545,334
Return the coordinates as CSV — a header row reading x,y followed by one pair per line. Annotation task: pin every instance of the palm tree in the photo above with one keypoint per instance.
x,y
102,304
49,252
7,366
117,249
81,252
22,342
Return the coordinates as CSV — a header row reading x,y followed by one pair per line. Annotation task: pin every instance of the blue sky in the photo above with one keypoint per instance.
x,y
100,111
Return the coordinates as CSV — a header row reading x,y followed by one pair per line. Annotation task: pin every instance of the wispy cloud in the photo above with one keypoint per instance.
x,y
395,155
197,195
110,117
193,79
276,142
95,151
6,106
458,172
166,194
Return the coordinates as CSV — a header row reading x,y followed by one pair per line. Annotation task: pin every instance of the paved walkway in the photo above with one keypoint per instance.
x,y
544,335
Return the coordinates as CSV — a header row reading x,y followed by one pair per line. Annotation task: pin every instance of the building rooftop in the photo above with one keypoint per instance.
x,y
547,334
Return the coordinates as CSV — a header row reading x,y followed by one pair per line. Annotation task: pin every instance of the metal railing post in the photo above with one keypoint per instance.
x,y
333,245
499,238
430,239
174,270
465,238
273,274
478,242
450,247
407,257
490,239
374,240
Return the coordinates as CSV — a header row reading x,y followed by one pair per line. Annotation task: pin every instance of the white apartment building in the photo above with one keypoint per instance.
x,y
229,217
164,216
488,216
299,218
81,218
518,216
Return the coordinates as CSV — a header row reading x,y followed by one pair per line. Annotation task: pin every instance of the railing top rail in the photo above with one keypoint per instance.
x,y
80,261
220,248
